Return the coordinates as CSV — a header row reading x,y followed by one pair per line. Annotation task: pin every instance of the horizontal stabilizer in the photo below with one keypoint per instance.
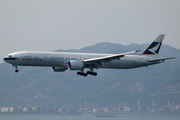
x,y
159,59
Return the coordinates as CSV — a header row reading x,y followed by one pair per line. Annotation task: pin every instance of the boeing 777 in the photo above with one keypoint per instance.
x,y
61,61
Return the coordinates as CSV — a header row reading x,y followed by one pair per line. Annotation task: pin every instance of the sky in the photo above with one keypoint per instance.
x,y
48,25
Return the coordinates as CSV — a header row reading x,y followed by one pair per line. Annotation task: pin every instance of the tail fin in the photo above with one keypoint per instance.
x,y
153,49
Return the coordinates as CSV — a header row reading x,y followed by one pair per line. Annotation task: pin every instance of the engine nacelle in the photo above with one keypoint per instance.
x,y
75,65
58,69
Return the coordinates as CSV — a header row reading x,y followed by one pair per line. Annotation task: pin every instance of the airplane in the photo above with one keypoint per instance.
x,y
61,61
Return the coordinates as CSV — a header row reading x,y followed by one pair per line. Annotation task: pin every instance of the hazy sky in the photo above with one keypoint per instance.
x,y
47,25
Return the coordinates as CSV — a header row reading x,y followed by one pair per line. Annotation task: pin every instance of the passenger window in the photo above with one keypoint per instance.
x,y
10,55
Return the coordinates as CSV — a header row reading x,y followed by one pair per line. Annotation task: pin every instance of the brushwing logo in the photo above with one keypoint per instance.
x,y
153,49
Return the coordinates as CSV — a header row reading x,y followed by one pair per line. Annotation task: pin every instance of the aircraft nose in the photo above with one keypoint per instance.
x,y
5,59
9,59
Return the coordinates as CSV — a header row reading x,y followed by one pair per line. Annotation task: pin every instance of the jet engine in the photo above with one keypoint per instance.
x,y
75,65
58,69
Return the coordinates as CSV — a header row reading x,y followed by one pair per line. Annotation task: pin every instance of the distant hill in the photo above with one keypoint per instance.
x,y
41,86
106,47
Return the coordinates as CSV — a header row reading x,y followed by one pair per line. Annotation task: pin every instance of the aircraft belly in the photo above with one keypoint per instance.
x,y
120,64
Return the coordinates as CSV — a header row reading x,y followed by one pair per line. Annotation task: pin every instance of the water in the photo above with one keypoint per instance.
x,y
89,117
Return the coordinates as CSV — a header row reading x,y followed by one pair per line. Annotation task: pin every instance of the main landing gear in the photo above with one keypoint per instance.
x,y
16,70
88,72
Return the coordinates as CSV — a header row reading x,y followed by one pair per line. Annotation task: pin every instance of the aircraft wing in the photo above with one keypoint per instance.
x,y
107,58
159,59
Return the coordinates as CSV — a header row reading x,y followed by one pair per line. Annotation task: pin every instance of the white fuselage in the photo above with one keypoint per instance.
x,y
60,59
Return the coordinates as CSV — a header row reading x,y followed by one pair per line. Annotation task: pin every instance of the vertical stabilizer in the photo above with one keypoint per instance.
x,y
153,49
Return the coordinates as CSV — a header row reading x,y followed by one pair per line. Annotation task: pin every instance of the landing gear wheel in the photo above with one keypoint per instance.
x,y
78,73
92,73
95,74
85,74
82,73
16,68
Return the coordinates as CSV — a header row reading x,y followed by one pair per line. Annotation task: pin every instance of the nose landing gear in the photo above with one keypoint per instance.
x,y
16,70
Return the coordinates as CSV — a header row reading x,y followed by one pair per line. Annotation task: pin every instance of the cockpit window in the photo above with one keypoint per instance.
x,y
9,55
